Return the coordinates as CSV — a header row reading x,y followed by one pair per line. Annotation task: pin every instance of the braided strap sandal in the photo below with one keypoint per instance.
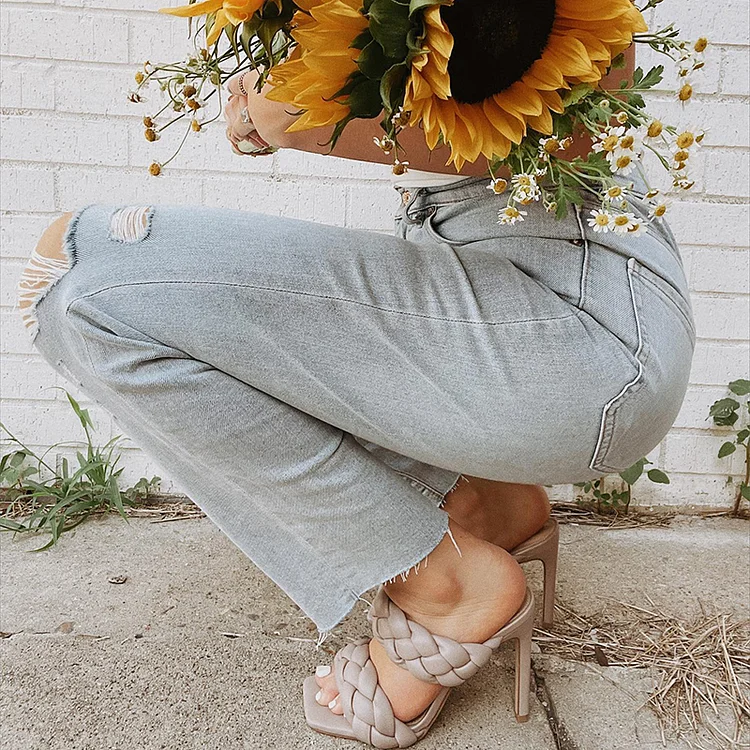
x,y
368,714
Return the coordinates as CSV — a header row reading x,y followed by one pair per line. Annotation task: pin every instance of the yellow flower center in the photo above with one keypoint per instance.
x,y
681,156
701,44
685,92
655,129
512,213
610,143
623,162
614,192
627,141
552,145
602,220
660,210
686,139
500,186
621,220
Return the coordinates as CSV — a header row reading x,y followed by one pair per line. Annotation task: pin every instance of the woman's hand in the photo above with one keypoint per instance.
x,y
241,131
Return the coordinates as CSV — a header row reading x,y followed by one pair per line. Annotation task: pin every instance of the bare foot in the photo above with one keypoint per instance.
x,y
467,598
502,513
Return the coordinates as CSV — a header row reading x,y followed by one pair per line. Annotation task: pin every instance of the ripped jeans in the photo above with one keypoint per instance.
x,y
318,390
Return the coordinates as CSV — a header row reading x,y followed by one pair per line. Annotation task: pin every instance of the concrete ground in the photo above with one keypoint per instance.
x,y
198,649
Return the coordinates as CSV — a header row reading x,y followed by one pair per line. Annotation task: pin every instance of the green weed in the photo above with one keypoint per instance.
x,y
65,500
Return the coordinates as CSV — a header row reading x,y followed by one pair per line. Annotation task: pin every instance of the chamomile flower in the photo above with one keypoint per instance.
x,y
510,215
498,185
608,139
659,206
637,229
525,188
600,220
624,222
622,161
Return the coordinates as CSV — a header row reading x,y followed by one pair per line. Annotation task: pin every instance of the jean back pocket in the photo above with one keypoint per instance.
x,y
638,417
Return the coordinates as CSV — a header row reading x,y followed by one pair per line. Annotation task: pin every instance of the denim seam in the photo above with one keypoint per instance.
x,y
586,259
323,296
666,296
606,427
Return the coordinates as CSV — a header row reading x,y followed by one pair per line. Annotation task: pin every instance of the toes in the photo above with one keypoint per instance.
x,y
329,690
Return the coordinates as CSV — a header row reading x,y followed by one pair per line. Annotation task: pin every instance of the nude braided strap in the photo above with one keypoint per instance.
x,y
429,657
366,706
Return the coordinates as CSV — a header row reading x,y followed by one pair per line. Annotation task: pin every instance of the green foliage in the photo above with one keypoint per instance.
x,y
606,499
729,412
62,502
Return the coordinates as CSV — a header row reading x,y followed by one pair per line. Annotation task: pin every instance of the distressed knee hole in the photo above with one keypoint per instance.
x,y
130,224
51,259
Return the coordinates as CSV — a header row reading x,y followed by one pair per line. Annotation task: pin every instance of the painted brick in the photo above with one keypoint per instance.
x,y
698,452
712,224
63,35
77,187
696,18
373,206
736,70
722,317
717,363
727,173
720,270
27,189
28,85
57,139
19,234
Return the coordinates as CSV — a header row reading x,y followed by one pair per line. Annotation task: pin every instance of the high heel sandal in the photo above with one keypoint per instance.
x,y
368,714
543,546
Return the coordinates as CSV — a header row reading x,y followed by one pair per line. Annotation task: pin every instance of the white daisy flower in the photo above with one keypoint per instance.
x,y
624,222
601,221
510,215
638,228
498,185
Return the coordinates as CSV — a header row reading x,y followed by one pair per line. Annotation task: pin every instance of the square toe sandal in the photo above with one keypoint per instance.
x,y
368,714
543,546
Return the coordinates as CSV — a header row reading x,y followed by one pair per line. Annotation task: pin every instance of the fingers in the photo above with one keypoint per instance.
x,y
233,115
233,84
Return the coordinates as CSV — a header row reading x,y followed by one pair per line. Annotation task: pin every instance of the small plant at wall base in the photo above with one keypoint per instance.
x,y
726,413
617,500
65,500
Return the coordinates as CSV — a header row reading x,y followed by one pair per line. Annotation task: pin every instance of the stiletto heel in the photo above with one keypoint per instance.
x,y
523,671
543,546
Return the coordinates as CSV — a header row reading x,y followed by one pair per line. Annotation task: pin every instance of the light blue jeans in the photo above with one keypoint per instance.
x,y
318,390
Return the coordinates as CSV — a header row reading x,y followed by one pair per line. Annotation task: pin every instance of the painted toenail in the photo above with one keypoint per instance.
x,y
318,696
322,671
332,704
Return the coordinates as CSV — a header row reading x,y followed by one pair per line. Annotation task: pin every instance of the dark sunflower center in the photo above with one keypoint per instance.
x,y
495,43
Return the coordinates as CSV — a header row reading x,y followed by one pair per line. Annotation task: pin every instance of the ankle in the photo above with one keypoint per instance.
x,y
483,577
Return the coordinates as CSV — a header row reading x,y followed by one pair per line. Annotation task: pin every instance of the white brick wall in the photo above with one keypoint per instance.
x,y
69,136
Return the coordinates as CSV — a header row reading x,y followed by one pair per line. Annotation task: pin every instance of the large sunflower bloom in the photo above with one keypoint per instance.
x,y
577,47
320,63
228,13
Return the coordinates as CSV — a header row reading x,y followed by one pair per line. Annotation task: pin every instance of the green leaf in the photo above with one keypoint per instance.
x,y
724,411
578,92
742,435
389,25
740,387
727,449
632,474
364,99
392,85
745,491
373,62
655,475
618,62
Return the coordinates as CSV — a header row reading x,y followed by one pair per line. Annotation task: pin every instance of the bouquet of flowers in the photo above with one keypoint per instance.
x,y
509,80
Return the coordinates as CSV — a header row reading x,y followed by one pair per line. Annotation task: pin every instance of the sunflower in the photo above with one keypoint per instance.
x,y
321,61
534,48
228,13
